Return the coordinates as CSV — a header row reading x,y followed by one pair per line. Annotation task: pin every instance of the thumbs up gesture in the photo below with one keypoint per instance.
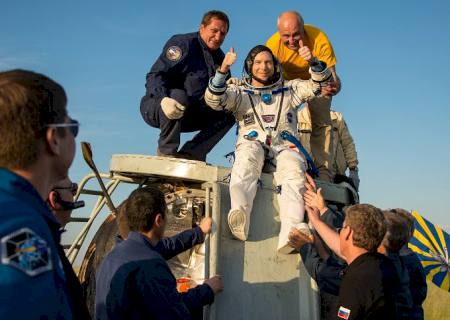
x,y
304,51
228,61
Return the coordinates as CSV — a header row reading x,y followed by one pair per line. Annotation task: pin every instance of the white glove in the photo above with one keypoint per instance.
x,y
354,176
235,81
172,109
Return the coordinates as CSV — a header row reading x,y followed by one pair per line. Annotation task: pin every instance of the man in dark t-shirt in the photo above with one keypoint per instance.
x,y
368,289
369,285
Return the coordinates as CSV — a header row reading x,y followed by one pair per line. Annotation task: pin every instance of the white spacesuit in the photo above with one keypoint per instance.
x,y
263,113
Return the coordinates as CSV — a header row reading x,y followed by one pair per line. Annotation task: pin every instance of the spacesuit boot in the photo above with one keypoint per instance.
x,y
290,177
237,221
243,186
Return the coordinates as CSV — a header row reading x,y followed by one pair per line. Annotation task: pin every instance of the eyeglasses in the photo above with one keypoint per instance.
x,y
73,188
73,126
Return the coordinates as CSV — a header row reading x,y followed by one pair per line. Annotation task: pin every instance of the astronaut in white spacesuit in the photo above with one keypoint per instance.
x,y
264,107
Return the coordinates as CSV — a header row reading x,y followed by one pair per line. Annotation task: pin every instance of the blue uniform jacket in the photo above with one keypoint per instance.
x,y
185,63
417,284
328,272
135,282
32,280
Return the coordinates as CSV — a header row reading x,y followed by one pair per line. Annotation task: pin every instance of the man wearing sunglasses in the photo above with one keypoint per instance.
x,y
60,200
36,150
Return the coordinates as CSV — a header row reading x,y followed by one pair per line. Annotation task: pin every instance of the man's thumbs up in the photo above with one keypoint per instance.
x,y
304,52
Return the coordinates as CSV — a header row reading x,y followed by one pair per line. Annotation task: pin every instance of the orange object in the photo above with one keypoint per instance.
x,y
183,284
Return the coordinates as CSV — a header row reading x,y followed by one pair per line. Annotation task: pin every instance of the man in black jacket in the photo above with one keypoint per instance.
x,y
135,282
175,86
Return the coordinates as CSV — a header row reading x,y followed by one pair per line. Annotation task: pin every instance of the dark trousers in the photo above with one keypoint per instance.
x,y
213,125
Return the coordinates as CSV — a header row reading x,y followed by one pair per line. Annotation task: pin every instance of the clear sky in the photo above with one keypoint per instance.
x,y
393,59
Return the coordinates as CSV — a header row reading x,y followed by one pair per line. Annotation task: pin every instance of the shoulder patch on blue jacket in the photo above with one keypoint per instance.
x,y
174,53
23,249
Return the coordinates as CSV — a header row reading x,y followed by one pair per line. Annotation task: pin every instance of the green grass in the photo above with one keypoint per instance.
x,y
437,303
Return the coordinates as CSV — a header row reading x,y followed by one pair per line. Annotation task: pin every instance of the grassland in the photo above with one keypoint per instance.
x,y
437,304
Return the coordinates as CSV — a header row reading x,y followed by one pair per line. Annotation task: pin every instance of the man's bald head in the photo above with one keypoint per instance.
x,y
290,18
290,27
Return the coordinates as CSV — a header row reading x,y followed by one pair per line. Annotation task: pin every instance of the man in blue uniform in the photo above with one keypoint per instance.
x,y
175,87
135,282
36,150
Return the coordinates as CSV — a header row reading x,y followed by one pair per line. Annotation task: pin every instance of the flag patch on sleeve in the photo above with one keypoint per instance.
x,y
26,251
343,313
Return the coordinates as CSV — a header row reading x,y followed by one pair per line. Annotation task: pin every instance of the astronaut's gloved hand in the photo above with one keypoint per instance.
x,y
354,176
172,108
320,73
228,61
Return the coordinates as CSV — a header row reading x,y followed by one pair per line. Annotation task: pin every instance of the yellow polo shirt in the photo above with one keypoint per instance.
x,y
294,66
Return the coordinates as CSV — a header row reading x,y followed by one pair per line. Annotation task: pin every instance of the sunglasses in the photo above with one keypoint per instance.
x,y
73,188
73,126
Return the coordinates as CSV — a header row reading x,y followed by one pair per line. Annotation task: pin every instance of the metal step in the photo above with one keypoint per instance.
x,y
74,219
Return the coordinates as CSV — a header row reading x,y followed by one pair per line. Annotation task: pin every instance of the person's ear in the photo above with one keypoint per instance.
x,y
53,141
53,197
348,233
159,220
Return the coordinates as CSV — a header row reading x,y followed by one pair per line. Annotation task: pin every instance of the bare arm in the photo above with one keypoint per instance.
x,y
330,236
315,206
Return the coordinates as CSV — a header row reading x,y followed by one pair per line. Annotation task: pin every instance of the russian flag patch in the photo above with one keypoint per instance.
x,y
343,313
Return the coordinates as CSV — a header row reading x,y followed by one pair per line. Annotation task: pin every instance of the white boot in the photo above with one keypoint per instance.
x,y
237,222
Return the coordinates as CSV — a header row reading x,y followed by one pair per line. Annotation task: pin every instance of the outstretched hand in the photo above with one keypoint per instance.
x,y
313,213
298,239
215,283
228,61
206,225
313,197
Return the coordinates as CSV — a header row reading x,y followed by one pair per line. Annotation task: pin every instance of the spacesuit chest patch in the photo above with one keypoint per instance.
x,y
249,119
268,118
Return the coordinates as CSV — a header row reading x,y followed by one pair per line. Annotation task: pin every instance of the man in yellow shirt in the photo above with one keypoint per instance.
x,y
296,46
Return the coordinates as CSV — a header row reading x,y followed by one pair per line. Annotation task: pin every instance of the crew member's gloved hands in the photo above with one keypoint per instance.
x,y
228,61
354,176
235,81
172,109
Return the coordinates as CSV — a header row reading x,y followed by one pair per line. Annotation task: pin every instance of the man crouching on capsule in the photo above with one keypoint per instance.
x,y
265,106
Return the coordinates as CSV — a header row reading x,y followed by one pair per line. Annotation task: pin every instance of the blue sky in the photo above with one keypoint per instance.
x,y
393,59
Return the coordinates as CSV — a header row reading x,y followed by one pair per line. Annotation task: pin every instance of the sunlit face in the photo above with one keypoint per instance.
x,y
290,33
214,33
263,67
343,232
